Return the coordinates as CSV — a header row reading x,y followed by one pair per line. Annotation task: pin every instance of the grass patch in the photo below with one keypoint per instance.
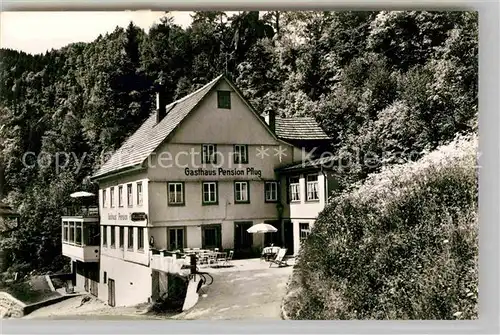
x,y
24,292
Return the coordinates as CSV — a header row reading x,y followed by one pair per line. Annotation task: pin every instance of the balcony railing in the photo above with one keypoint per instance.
x,y
166,262
83,211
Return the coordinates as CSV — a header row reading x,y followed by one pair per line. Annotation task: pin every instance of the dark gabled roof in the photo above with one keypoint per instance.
x,y
299,128
313,164
137,148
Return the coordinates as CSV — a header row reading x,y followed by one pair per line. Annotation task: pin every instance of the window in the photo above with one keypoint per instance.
x,y
130,242
241,192
211,236
210,192
65,231
140,238
240,154
78,233
122,236
224,99
112,197
304,230
139,193
271,191
208,153
312,187
105,277
103,198
104,236
72,232
176,238
113,237
120,196
176,194
294,189
130,200
93,234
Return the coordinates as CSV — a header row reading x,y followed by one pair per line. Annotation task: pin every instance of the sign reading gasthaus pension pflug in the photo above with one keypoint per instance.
x,y
250,171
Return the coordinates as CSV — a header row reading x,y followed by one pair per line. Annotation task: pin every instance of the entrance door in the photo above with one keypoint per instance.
x,y
176,237
211,236
243,240
288,230
111,292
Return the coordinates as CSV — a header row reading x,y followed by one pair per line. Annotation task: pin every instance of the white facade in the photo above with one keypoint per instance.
x,y
168,204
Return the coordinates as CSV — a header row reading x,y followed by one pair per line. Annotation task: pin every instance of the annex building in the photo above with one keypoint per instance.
x,y
197,174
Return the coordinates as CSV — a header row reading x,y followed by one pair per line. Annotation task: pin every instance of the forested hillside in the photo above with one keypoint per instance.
x,y
377,82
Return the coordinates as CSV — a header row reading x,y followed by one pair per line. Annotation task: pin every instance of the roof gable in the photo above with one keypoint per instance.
x,y
151,135
137,148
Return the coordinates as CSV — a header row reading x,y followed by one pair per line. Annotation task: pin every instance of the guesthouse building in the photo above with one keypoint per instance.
x,y
198,173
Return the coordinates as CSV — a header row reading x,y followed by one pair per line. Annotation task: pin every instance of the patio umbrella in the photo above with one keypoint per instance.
x,y
81,194
262,228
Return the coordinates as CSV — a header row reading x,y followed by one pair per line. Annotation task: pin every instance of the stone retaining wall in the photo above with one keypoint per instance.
x,y
10,306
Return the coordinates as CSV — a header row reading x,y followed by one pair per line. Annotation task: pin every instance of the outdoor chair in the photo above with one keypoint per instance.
x,y
212,259
280,258
229,258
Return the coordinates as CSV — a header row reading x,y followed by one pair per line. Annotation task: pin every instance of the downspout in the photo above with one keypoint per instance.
x,y
325,185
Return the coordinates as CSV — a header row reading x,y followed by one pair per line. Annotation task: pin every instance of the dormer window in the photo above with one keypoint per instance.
x,y
224,99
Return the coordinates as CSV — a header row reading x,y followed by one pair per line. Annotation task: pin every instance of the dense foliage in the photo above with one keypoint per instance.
x,y
403,245
376,81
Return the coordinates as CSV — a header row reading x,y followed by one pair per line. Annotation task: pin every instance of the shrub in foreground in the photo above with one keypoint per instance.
x,y
403,245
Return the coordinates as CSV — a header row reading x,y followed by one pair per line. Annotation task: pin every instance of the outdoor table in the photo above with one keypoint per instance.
x,y
269,252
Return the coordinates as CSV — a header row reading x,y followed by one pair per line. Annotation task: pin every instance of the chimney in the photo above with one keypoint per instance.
x,y
160,104
271,119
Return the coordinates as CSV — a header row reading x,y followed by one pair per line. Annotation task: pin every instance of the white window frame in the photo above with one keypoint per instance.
x,y
305,231
120,196
130,241
112,241
209,153
271,194
312,188
112,197
140,239
240,154
294,189
175,201
241,192
139,190
66,231
130,195
121,238
213,190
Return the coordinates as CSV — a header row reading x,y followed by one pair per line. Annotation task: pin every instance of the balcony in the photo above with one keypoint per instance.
x,y
80,239
82,253
164,262
81,212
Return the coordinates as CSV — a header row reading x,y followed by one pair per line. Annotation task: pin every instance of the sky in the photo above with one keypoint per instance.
x,y
37,32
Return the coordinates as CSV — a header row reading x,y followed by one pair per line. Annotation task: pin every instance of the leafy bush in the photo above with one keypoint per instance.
x,y
403,245
25,293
